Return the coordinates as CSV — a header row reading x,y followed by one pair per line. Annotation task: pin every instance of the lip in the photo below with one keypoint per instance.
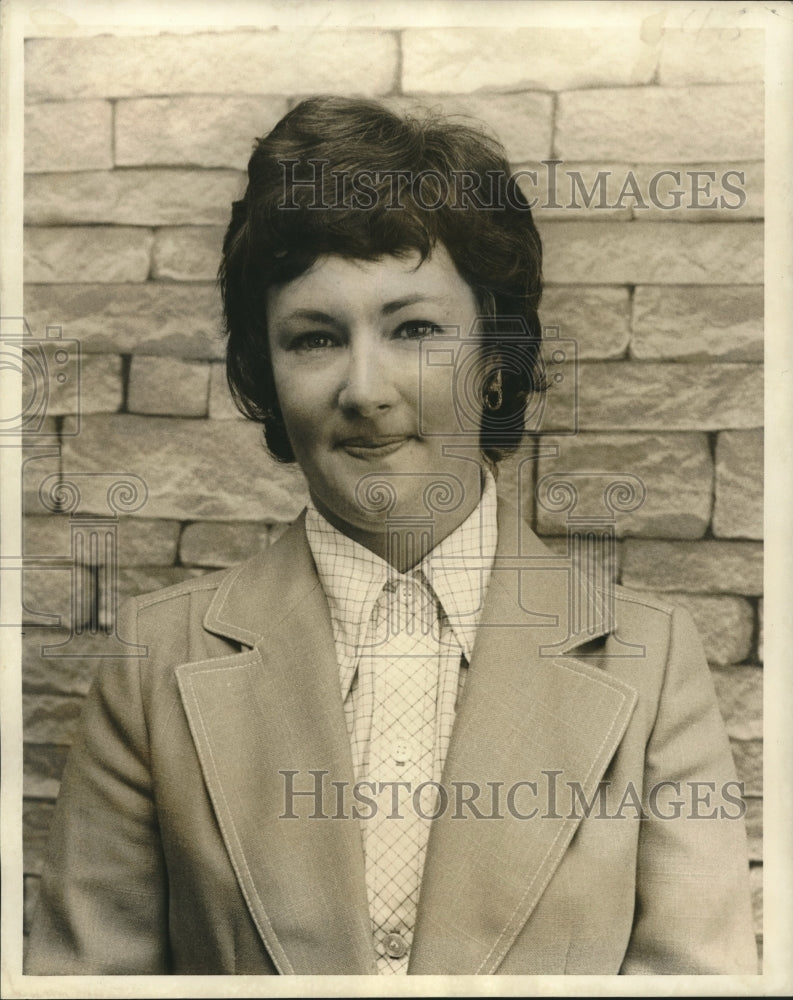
x,y
376,446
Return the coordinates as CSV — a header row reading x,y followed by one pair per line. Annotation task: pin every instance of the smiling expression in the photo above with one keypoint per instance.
x,y
346,348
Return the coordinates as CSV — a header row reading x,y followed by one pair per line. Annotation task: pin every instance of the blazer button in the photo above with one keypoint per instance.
x,y
395,945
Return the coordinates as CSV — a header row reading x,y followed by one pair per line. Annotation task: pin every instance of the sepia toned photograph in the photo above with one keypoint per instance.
x,y
386,595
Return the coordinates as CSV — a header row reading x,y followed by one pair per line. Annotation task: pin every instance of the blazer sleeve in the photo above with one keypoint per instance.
x,y
693,910
103,901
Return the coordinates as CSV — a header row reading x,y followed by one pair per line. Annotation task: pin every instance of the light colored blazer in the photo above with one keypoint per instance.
x,y
168,854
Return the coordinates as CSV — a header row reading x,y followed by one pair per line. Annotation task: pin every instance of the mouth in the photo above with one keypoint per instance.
x,y
376,446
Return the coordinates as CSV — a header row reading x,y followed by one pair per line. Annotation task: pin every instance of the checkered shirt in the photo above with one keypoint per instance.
x,y
378,612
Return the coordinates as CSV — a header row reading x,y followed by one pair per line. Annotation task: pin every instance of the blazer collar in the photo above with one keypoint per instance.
x,y
530,713
528,708
554,594
268,724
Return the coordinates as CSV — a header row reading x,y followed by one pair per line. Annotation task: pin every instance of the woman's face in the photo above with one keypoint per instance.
x,y
361,406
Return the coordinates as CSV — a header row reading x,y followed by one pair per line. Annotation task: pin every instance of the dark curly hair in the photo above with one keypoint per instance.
x,y
354,178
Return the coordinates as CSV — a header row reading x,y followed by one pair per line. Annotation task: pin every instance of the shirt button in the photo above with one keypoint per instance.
x,y
395,946
401,751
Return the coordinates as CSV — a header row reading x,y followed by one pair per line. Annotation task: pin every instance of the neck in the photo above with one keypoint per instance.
x,y
404,540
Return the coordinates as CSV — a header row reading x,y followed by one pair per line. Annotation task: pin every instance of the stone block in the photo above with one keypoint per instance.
x,y
521,122
133,197
748,757
187,253
675,471
631,395
36,822
73,254
141,541
50,718
57,379
152,318
219,543
723,55
68,135
740,693
101,388
634,123
738,507
464,60
559,546
652,253
221,405
725,623
168,386
207,470
700,192
47,595
42,769
754,828
273,61
705,566
760,629
203,131
598,319
43,674
690,323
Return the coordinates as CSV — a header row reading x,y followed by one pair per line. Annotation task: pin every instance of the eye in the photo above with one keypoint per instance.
x,y
314,341
417,329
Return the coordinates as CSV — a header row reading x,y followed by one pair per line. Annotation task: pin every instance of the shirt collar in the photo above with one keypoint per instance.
x,y
457,569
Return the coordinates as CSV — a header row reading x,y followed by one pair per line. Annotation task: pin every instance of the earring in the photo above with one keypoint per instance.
x,y
494,395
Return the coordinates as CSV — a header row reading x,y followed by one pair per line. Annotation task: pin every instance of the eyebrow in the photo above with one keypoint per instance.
x,y
409,300
314,315
317,316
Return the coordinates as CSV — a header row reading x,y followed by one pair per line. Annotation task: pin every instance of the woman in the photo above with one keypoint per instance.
x,y
387,745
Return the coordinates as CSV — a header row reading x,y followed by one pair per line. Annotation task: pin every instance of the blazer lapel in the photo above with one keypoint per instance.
x,y
268,724
529,714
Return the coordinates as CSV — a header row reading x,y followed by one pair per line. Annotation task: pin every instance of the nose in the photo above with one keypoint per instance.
x,y
369,388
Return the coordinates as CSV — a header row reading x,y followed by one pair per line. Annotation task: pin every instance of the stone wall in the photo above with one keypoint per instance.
x,y
135,147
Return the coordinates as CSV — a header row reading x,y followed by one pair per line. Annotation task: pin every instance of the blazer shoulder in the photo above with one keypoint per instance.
x,y
204,583
236,605
186,601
